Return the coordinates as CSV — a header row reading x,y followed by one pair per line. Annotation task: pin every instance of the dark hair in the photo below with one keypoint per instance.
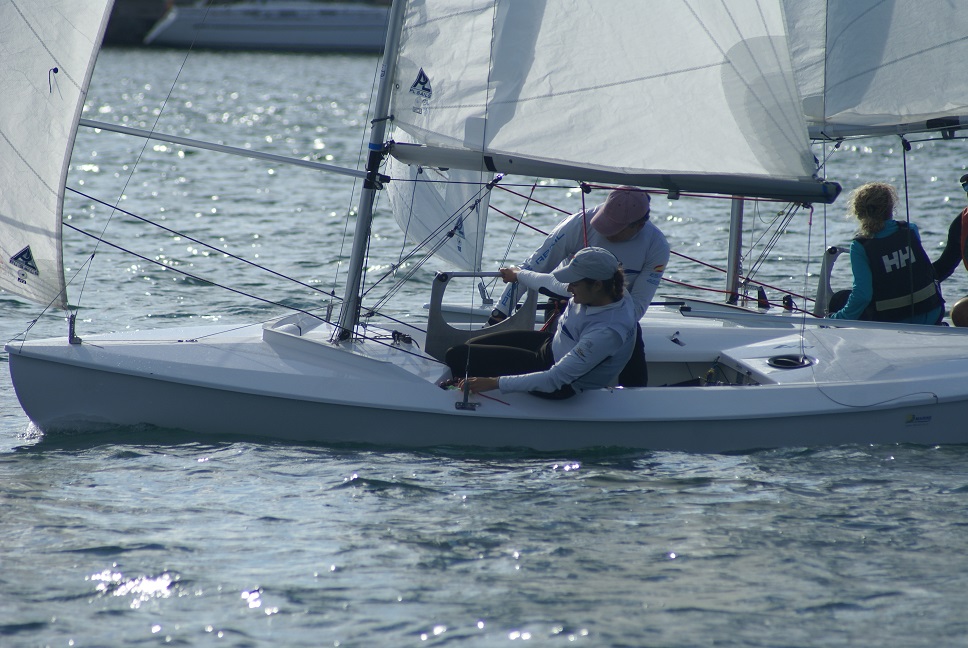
x,y
615,287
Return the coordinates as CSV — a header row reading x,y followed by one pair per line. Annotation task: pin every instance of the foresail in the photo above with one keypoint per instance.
x,y
47,53
444,211
868,67
610,91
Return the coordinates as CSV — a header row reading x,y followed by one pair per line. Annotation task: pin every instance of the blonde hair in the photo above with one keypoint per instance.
x,y
872,205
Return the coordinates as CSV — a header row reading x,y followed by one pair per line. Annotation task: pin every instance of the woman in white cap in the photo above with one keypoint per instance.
x,y
593,341
621,225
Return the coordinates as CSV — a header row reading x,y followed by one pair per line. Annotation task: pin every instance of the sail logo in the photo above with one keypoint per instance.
x,y
25,261
459,232
898,259
421,87
914,419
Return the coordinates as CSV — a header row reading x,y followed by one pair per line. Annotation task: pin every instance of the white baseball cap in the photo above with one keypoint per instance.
x,y
588,263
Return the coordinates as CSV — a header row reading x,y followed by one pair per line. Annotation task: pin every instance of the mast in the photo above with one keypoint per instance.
x,y
349,315
734,260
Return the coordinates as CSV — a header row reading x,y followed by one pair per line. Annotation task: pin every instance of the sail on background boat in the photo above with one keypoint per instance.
x,y
868,67
47,51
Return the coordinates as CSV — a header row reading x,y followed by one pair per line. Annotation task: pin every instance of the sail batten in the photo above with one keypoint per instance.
x,y
48,51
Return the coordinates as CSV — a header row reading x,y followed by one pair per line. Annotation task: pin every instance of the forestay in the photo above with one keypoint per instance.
x,y
47,51
605,91
874,67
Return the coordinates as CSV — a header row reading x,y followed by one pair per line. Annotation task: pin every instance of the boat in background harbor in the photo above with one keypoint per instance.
x,y
302,26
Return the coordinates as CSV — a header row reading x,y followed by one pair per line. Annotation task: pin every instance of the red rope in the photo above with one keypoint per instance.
x,y
747,279
543,204
518,220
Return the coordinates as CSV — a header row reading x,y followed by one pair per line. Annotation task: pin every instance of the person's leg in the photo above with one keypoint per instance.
x,y
499,354
959,312
636,372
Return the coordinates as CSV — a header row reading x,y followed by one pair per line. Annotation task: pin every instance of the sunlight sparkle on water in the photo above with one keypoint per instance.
x,y
437,631
567,467
141,589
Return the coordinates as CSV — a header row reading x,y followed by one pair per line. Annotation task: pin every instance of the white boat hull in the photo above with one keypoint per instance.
x,y
282,385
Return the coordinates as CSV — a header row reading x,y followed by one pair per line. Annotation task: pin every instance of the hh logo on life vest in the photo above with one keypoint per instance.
x,y
898,259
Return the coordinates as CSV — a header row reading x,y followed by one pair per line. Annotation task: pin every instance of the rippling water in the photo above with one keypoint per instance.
x,y
161,538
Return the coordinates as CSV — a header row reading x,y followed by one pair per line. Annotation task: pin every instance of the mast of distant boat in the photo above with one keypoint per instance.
x,y
349,315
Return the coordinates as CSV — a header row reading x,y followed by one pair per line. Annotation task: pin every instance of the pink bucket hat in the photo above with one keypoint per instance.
x,y
624,206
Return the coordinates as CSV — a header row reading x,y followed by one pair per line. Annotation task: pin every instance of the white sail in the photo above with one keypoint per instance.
x,y
444,210
54,44
603,90
872,66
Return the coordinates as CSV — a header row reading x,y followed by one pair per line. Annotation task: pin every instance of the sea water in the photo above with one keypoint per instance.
x,y
156,537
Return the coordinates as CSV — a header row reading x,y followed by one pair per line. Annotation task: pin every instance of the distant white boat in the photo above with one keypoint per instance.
x,y
259,25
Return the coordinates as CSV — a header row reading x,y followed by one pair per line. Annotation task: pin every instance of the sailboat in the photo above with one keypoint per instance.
x,y
489,88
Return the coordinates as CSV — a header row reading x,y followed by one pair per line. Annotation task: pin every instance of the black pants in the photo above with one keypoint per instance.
x,y
506,353
635,373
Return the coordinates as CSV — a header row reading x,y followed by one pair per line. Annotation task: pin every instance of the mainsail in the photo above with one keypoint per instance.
x,y
868,67
55,44
605,91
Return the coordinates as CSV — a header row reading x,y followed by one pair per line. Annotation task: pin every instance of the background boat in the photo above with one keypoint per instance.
x,y
281,25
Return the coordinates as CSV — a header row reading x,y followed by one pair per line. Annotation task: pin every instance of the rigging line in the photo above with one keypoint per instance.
x,y
49,305
137,162
507,250
531,197
745,278
784,222
727,292
803,321
190,275
519,221
406,231
398,285
905,147
206,245
376,313
471,203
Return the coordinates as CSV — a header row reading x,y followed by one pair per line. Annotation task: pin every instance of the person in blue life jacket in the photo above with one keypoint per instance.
x,y
592,342
955,252
621,225
893,277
